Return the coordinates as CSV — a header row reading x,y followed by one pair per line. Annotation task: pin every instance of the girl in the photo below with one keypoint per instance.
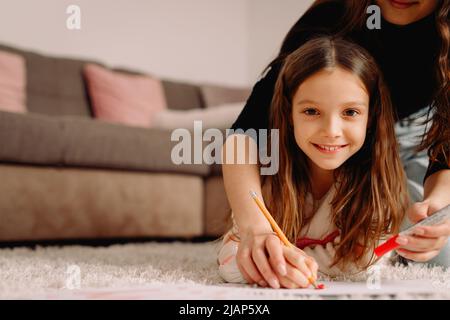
x,y
412,51
340,187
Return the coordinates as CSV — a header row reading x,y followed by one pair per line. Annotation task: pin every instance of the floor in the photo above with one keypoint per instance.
x,y
180,270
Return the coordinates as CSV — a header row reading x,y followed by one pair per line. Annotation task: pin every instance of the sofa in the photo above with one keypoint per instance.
x,y
66,175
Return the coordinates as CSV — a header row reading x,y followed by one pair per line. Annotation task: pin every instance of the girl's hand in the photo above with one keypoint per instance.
x,y
427,241
300,269
261,259
252,261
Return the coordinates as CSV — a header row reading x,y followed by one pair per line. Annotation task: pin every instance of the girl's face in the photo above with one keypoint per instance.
x,y
330,112
404,12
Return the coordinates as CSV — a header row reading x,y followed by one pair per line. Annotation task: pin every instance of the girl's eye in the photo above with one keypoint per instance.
x,y
351,112
310,112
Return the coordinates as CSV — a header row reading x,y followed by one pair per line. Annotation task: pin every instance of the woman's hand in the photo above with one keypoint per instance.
x,y
261,258
427,241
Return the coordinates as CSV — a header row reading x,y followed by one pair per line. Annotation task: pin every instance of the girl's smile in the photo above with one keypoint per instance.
x,y
329,149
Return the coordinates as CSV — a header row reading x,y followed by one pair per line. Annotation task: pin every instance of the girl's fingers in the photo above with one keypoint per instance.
x,y
298,260
260,259
244,273
247,266
286,282
297,276
276,258
313,266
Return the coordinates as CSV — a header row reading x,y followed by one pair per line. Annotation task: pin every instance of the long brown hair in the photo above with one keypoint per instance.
x,y
437,137
372,196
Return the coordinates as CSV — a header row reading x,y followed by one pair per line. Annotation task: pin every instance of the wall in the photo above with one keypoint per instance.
x,y
268,21
226,42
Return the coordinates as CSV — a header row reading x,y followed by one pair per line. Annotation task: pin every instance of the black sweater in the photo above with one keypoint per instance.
x,y
406,55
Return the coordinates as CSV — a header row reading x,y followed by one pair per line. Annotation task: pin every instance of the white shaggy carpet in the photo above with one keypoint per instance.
x,y
174,270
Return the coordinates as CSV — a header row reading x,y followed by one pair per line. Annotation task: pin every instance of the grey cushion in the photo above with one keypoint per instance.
x,y
214,95
56,86
30,138
95,143
79,142
182,96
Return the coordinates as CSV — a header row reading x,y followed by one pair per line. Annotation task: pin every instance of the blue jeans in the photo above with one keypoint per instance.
x,y
408,132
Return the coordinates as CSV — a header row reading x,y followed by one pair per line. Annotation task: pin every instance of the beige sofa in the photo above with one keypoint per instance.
x,y
65,175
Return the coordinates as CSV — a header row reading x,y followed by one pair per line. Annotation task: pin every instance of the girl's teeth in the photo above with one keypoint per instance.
x,y
329,148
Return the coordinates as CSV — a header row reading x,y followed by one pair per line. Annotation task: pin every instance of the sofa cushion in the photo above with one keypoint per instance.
x,y
182,96
54,85
214,95
30,138
76,141
100,144
12,82
124,98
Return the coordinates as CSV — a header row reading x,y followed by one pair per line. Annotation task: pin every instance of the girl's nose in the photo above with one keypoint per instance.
x,y
332,127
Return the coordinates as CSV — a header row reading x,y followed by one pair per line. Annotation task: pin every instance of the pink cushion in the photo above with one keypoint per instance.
x,y
12,82
123,98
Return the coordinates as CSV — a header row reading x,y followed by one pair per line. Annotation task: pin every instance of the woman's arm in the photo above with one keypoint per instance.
x,y
436,188
431,239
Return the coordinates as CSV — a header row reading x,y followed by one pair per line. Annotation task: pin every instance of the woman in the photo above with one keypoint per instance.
x,y
412,50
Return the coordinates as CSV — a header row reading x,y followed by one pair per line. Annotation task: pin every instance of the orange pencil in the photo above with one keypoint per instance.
x,y
278,231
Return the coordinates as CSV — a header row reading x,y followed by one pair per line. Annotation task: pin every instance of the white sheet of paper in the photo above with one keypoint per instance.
x,y
242,292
